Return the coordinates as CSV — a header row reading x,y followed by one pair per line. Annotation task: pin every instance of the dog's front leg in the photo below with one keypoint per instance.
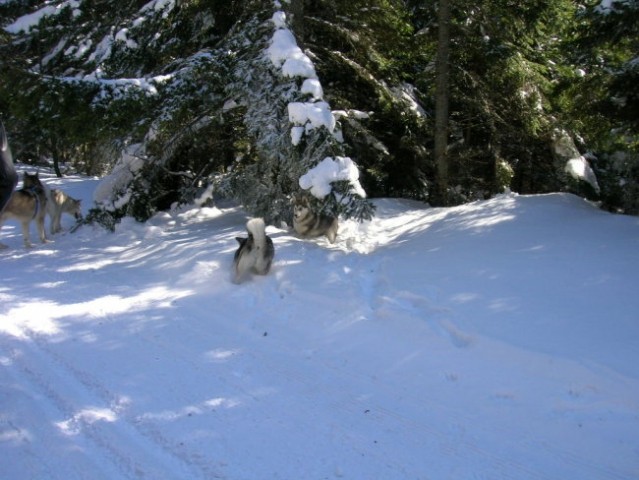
x,y
41,232
56,225
25,235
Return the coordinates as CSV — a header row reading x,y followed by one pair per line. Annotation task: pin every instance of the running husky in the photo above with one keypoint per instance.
x,y
307,224
255,253
28,203
58,203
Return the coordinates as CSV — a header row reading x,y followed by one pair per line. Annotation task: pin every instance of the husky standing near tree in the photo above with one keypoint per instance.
x,y
8,175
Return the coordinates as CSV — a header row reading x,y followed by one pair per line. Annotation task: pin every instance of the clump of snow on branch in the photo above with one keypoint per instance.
x,y
285,54
123,36
306,116
577,166
313,87
164,6
580,169
30,21
319,178
311,115
124,171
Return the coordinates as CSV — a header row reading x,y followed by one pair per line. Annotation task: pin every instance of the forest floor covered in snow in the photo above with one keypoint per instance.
x,y
494,340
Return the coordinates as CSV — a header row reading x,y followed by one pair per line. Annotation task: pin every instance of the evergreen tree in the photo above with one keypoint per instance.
x,y
268,176
365,52
502,65
182,102
192,88
440,194
600,100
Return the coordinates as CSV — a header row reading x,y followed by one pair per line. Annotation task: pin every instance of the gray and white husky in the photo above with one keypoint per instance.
x,y
308,224
58,203
27,204
255,253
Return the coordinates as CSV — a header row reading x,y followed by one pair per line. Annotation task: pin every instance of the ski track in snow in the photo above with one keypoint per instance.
x,y
341,363
124,449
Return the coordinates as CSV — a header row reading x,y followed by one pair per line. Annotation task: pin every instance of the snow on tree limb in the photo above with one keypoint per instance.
x,y
319,178
286,55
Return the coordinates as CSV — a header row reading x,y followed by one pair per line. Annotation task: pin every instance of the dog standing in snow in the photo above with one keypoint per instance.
x,y
308,224
255,253
58,203
27,204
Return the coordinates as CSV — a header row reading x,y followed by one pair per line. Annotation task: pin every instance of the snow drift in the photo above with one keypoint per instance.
x,y
492,340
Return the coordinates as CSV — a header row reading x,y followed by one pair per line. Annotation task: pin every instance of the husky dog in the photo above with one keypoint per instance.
x,y
307,224
58,203
255,253
28,203
8,175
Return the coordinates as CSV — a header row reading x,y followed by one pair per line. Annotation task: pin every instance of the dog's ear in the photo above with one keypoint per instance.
x,y
241,240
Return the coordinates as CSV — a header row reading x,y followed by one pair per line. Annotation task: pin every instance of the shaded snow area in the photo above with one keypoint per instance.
x,y
495,340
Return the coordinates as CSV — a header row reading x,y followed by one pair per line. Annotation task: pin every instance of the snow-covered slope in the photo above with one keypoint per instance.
x,y
493,340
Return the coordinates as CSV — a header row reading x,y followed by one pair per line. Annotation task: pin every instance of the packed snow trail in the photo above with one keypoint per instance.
x,y
492,340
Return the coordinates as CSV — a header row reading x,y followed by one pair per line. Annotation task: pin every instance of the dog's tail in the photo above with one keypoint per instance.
x,y
257,229
263,248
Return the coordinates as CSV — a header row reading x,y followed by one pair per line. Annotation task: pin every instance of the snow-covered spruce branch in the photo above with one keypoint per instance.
x,y
312,121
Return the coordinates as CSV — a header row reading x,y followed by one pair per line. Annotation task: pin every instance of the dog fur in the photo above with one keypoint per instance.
x,y
255,253
308,224
27,204
58,203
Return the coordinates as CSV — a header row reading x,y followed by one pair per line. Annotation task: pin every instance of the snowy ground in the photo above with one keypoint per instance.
x,y
496,340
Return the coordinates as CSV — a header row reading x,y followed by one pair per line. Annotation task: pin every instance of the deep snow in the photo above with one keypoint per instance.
x,y
495,340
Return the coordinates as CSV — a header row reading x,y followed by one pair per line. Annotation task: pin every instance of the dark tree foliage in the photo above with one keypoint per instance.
x,y
600,102
189,83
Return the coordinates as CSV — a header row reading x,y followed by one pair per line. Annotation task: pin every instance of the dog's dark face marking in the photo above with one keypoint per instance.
x,y
76,208
301,207
31,181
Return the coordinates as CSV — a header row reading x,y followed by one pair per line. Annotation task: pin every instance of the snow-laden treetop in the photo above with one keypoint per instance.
x,y
315,113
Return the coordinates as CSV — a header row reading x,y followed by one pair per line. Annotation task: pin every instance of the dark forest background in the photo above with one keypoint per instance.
x,y
527,87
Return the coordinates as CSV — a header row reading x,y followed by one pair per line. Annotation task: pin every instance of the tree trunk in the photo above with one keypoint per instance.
x,y
440,195
297,21
56,158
